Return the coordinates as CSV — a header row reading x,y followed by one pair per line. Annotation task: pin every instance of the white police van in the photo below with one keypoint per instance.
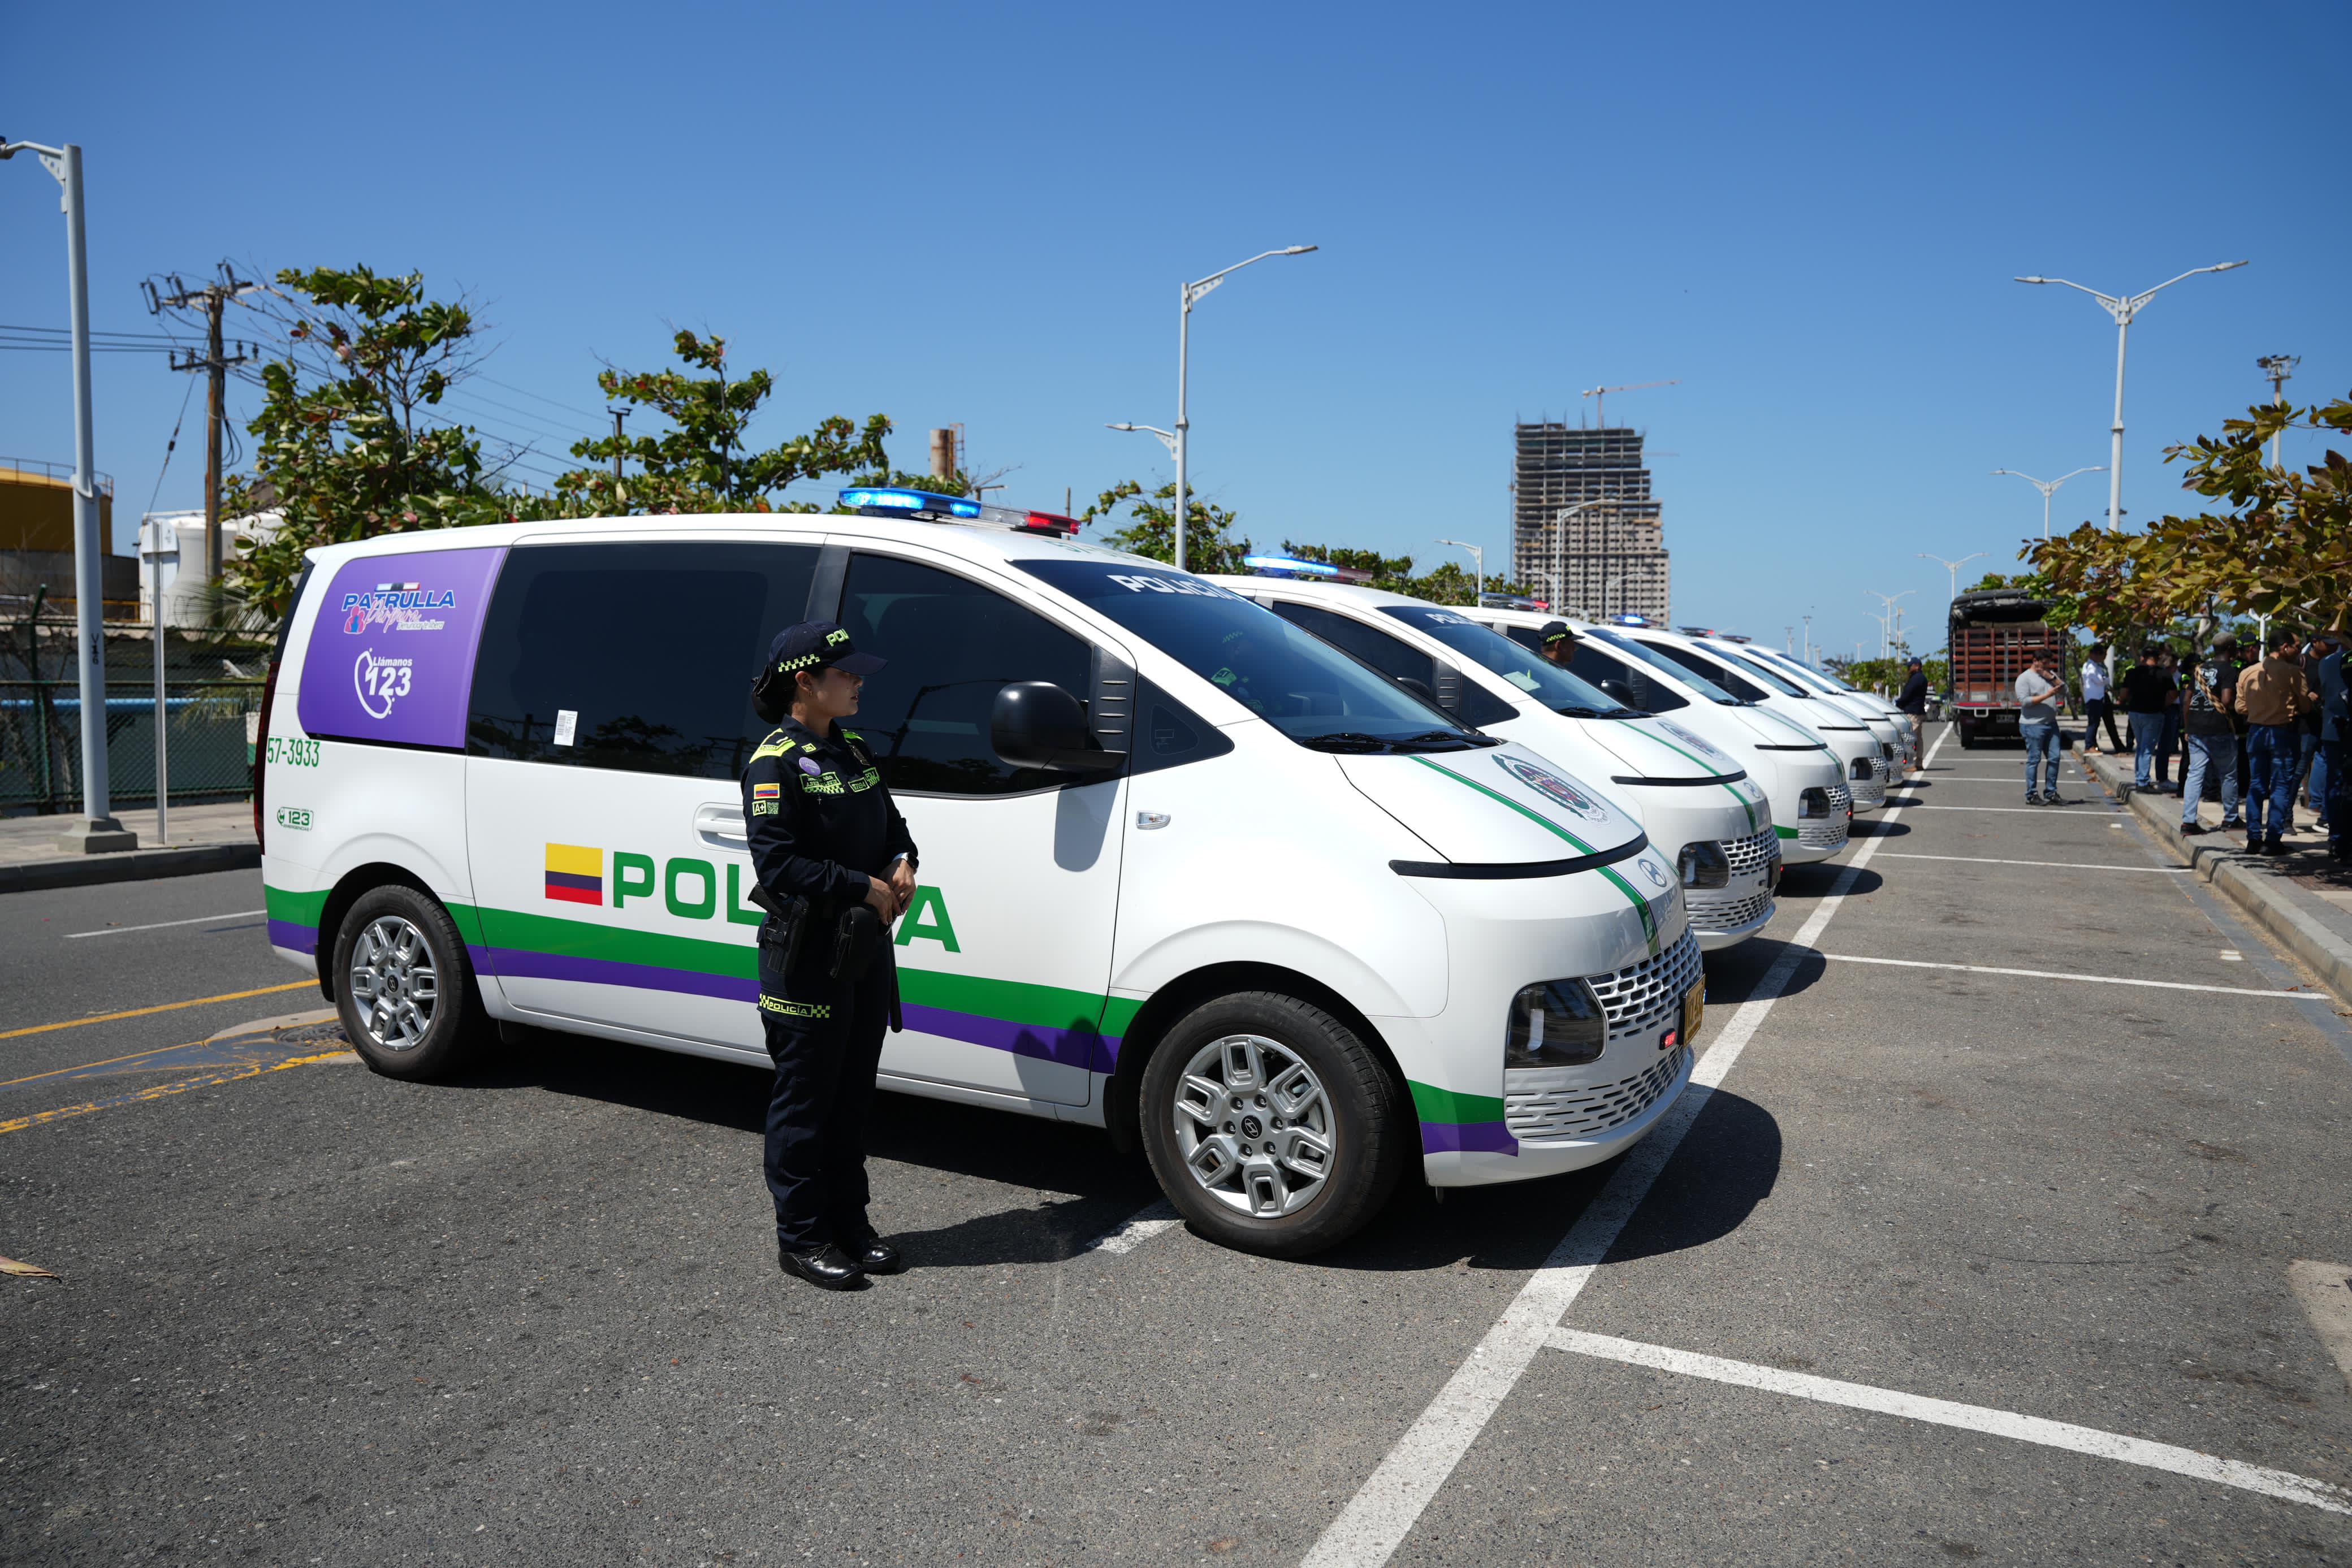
x,y
1693,801
1205,882
1869,704
1812,811
1862,751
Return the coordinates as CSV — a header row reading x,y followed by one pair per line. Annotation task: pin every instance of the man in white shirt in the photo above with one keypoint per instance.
x,y
2037,721
2096,705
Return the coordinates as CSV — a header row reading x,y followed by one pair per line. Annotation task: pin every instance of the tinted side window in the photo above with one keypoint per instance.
x,y
649,647
1527,637
952,645
1626,683
1480,707
1730,680
1381,652
1169,735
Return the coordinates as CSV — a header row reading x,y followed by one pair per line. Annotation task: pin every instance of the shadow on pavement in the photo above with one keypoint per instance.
x,y
1726,1166
1733,975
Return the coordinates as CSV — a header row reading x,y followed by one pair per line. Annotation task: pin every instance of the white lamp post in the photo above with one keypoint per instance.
x,y
2049,487
2123,309
1186,294
1477,565
97,831
1559,551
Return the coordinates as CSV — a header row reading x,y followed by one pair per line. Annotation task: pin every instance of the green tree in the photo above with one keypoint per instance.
x,y
348,443
2282,548
1151,530
704,462
1446,584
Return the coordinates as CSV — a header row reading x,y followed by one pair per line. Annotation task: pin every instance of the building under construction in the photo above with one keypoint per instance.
x,y
1608,553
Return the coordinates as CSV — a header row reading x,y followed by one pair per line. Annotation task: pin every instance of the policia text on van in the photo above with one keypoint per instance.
x,y
524,809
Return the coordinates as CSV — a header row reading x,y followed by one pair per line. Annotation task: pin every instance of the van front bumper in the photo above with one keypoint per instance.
x,y
1642,1100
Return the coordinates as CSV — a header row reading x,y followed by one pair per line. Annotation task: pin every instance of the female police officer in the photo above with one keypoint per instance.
x,y
835,866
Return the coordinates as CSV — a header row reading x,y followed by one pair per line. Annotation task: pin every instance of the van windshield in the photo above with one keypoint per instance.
x,y
1773,678
1294,680
1547,683
1687,676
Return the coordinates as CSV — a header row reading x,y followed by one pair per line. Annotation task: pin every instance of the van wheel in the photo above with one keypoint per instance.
x,y
403,986
1270,1126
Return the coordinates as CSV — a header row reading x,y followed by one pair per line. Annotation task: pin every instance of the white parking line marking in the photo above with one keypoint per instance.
x,y
1383,1511
2053,975
2055,865
2282,1484
2037,811
1136,1229
2326,1291
160,925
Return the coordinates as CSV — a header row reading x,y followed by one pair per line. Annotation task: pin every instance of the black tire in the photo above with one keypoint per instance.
x,y
1967,736
1365,1120
414,1018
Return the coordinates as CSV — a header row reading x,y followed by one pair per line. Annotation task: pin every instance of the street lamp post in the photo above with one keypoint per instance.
x,y
1560,556
97,831
1477,565
1888,622
1187,294
2049,487
2280,368
2123,309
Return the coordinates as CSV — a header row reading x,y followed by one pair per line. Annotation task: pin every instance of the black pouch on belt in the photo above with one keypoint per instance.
x,y
859,933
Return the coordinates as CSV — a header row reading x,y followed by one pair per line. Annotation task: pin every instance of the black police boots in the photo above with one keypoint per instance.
x,y
827,1268
876,1255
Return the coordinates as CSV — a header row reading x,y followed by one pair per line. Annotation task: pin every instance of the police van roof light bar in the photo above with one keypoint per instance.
x,y
924,506
1288,566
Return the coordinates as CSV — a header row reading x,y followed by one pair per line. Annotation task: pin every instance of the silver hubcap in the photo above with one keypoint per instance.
x,y
393,984
1254,1126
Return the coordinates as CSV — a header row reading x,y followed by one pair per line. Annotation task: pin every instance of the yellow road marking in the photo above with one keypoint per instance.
x,y
157,1092
102,1061
159,1007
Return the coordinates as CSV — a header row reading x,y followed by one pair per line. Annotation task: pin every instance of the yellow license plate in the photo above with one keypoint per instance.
x,y
1694,1012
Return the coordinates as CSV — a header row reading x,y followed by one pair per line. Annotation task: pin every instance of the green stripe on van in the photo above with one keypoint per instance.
x,y
1641,908
1434,1104
1695,762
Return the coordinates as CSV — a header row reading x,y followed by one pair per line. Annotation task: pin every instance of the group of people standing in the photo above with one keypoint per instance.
x,y
2278,722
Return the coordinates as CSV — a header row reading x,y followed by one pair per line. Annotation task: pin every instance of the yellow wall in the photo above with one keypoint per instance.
x,y
37,512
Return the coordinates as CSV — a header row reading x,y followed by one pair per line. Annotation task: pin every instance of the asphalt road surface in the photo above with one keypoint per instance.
x,y
308,1315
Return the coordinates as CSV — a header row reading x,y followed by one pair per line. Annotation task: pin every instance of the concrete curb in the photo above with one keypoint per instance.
x,y
272,1024
132,865
2305,925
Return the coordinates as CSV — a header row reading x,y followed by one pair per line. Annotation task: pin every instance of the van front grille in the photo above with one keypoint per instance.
x,y
1565,1114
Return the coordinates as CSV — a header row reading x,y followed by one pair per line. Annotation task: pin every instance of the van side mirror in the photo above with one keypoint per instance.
x,y
1037,724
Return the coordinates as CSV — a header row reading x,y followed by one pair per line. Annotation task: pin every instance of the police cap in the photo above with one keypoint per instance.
x,y
1555,632
816,645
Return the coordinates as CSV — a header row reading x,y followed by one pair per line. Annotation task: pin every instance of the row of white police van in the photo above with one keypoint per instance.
x,y
1305,881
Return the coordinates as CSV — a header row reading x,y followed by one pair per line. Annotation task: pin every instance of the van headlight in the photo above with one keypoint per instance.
x,y
1813,802
1860,768
1704,864
1558,1023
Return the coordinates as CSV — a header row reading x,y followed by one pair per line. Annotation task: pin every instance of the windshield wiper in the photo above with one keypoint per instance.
x,y
1450,737
1346,740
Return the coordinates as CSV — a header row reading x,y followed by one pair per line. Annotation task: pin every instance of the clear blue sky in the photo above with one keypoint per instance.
x,y
1809,216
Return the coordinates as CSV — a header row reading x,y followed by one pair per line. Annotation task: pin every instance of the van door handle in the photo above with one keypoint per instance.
x,y
721,825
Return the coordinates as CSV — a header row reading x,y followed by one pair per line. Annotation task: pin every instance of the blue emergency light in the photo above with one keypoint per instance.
x,y
1627,618
1284,566
877,501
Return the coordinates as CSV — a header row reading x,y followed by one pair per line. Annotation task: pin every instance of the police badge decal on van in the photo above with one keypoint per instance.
x,y
1553,788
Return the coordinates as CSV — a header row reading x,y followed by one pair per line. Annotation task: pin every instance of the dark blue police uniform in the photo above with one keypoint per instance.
x,y
820,822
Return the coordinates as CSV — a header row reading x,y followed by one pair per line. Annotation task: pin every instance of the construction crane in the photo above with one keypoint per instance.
x,y
1601,395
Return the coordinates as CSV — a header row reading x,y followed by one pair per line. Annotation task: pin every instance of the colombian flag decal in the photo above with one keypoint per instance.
x,y
767,791
575,875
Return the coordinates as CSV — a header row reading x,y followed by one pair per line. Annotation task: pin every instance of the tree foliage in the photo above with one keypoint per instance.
x,y
1151,531
348,443
1447,583
2282,548
704,461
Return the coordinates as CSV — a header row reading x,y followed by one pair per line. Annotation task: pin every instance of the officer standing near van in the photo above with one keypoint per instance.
x,y
1558,643
835,866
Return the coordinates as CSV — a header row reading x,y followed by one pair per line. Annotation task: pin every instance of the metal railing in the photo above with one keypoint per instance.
x,y
208,755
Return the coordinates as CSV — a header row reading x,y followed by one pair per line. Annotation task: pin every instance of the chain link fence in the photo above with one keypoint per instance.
x,y
207,756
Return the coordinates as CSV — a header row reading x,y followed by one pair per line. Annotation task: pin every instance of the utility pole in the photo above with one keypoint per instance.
x,y
619,506
1807,619
213,299
2280,367
97,831
1477,565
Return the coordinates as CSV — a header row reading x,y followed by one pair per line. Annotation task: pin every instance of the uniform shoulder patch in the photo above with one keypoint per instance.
x,y
774,746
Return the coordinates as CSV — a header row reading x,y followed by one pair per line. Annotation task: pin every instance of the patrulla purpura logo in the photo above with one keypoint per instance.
x,y
1554,788
397,607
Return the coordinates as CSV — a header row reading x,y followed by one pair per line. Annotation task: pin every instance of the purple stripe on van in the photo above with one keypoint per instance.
x,y
1467,1137
301,938
1070,1047
519,964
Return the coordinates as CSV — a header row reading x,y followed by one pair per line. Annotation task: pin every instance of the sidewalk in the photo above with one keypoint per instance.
x,y
203,839
2301,897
